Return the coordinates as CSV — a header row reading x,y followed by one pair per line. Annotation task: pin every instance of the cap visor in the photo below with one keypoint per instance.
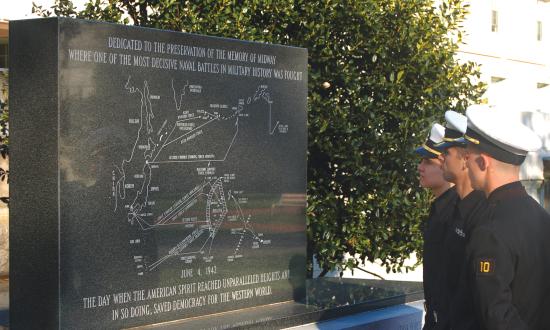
x,y
459,142
422,152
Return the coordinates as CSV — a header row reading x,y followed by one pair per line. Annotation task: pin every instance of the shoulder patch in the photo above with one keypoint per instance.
x,y
485,266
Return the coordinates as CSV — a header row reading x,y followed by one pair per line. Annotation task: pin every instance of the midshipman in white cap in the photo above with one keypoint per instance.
x,y
508,253
499,135
470,203
453,152
441,211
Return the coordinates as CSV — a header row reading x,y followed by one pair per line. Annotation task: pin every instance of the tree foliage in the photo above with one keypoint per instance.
x,y
380,72
4,134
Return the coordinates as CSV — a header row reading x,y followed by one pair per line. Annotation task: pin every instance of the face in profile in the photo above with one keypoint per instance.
x,y
430,173
453,163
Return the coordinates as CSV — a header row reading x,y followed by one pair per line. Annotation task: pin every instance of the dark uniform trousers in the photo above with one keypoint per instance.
x,y
436,299
508,260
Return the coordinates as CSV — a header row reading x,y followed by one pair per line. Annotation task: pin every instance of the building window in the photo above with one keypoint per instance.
x,y
539,30
494,21
3,55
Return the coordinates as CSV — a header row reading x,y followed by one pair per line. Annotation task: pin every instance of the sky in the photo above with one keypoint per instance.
x,y
21,9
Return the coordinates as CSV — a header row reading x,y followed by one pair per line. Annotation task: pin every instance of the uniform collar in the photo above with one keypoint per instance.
x,y
507,191
469,202
442,201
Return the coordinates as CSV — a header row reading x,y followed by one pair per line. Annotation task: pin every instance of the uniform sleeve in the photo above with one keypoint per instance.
x,y
492,272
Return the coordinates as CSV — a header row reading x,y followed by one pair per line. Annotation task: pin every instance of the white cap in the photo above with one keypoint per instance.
x,y
456,121
500,135
437,133
455,128
429,149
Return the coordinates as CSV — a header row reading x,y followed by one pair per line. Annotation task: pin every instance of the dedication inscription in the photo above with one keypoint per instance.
x,y
178,166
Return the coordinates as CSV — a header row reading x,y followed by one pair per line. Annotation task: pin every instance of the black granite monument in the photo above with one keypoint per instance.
x,y
155,175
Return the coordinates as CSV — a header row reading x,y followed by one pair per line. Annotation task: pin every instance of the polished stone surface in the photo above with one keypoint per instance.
x,y
407,316
164,174
34,225
326,299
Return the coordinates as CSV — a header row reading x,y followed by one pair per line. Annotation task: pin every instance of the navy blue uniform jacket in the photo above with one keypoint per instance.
x,y
508,257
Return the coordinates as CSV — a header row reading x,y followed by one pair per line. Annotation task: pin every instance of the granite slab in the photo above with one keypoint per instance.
x,y
155,175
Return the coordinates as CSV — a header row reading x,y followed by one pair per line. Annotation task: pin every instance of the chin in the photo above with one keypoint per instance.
x,y
449,177
422,183
476,186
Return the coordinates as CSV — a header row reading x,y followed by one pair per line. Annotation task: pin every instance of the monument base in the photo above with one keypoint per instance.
x,y
330,302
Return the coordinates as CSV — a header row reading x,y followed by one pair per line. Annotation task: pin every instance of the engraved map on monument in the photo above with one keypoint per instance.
x,y
184,130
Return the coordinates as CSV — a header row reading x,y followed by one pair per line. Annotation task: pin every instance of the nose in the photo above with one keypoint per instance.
x,y
420,166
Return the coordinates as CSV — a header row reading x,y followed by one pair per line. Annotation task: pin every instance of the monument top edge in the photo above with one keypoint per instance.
x,y
88,21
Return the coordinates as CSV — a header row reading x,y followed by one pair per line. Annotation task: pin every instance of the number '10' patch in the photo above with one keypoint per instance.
x,y
485,266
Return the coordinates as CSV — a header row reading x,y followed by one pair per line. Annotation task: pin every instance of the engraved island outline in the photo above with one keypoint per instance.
x,y
165,146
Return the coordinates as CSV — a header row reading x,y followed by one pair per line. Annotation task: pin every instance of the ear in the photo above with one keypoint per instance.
x,y
463,155
482,162
464,163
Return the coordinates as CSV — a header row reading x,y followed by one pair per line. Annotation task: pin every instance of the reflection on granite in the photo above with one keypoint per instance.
x,y
336,292
326,298
4,242
4,301
4,293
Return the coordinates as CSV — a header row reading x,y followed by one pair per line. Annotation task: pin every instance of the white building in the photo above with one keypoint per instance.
x,y
510,39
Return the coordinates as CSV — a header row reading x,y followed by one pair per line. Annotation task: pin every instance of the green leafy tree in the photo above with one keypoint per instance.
x,y
380,72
